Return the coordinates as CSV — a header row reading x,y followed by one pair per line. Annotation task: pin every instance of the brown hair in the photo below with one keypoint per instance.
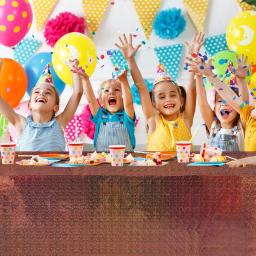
x,y
181,91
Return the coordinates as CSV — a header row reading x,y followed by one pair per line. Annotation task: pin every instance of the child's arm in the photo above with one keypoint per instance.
x,y
205,109
241,73
192,48
74,100
127,95
200,67
243,162
129,52
88,91
15,119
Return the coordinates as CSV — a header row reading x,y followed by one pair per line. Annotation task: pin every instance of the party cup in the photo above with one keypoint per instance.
x,y
183,151
117,154
75,150
8,153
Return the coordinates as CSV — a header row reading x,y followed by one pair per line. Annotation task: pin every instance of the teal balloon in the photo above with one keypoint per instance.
x,y
34,68
3,124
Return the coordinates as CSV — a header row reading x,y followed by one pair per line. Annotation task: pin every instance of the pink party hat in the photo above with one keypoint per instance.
x,y
162,75
46,76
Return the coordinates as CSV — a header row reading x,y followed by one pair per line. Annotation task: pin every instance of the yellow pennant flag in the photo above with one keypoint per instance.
x,y
197,11
146,11
42,10
245,6
94,11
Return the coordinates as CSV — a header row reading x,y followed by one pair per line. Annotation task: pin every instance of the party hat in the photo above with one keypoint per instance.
x,y
46,76
162,75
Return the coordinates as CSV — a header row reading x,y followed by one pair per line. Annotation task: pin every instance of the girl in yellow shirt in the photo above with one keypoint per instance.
x,y
169,115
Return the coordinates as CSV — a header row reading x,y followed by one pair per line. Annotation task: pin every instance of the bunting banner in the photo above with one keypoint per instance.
x,y
25,49
42,11
244,6
118,61
170,57
197,11
214,44
94,12
146,10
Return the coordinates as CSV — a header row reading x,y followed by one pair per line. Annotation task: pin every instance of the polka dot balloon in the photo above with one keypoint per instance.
x,y
15,21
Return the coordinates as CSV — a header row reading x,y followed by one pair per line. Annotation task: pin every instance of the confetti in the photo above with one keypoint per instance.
x,y
102,56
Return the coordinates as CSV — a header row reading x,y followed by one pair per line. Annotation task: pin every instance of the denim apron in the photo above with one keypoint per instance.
x,y
112,133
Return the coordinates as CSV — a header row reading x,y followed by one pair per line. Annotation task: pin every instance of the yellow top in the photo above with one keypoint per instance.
x,y
167,133
250,128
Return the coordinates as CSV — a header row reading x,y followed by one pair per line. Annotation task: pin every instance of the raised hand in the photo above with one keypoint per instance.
x,y
73,65
195,45
123,76
242,67
126,47
200,67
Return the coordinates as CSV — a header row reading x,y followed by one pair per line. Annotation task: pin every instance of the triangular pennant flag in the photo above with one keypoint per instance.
x,y
118,61
170,57
244,6
25,49
94,12
197,10
146,11
43,10
214,44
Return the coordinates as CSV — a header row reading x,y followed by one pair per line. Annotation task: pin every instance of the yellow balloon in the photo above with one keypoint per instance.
x,y
73,46
241,34
252,85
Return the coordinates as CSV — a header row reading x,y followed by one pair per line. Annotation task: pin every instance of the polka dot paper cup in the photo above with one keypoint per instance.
x,y
8,153
183,151
117,154
75,150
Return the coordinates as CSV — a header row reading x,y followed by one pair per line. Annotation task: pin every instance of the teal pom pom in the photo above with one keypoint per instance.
x,y
135,92
168,24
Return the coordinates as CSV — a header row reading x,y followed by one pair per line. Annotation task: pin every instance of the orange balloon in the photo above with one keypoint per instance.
x,y
13,81
253,70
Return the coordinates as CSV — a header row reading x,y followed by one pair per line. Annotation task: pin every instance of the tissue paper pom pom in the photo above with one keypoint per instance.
x,y
135,92
88,125
63,24
168,24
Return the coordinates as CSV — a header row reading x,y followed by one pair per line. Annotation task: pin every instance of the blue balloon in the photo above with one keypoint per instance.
x,y
34,68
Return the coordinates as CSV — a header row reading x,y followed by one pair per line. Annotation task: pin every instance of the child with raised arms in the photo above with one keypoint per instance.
x,y
168,116
42,130
113,115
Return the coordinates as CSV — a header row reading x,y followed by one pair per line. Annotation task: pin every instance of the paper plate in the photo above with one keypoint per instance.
x,y
67,165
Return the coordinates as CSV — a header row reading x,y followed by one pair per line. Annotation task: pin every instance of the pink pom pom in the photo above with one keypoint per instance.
x,y
88,125
64,23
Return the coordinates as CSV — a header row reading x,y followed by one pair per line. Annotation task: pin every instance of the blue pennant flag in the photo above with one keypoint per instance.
x,y
170,56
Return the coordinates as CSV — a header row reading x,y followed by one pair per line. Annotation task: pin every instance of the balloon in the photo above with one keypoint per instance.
x,y
252,85
13,81
34,68
3,124
241,34
253,70
15,21
221,61
73,46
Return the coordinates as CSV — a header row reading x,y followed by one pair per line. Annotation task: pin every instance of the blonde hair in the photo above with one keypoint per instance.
x,y
102,85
